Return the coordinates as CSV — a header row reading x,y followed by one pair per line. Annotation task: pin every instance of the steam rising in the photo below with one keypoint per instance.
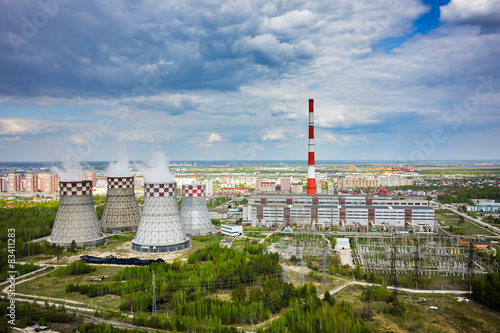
x,y
156,171
121,167
69,172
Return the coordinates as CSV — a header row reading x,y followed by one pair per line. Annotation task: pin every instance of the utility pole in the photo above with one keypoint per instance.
x,y
471,265
393,277
323,266
154,296
416,269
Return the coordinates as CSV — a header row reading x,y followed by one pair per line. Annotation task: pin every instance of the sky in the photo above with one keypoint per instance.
x,y
401,80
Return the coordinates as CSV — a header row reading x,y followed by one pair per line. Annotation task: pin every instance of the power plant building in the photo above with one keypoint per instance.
x,y
160,229
195,218
76,219
340,211
120,212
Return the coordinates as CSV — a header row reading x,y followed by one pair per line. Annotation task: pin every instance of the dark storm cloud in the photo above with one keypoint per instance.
x,y
91,48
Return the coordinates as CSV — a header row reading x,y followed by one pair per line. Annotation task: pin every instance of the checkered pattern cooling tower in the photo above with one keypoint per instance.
x,y
76,218
160,229
120,212
195,218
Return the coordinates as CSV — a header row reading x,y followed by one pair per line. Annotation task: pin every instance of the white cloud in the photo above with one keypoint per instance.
x,y
273,135
31,126
327,138
6,139
214,137
472,11
288,22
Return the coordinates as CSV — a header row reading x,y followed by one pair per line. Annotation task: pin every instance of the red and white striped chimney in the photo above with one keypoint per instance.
x,y
311,174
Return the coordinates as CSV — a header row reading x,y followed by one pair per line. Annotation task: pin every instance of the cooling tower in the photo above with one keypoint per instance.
x,y
76,218
195,218
160,229
120,212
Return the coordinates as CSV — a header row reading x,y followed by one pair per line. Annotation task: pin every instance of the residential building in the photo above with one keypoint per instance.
x,y
297,187
32,183
4,184
89,175
49,182
285,184
15,184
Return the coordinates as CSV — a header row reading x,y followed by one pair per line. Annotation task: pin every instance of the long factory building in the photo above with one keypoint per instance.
x,y
405,212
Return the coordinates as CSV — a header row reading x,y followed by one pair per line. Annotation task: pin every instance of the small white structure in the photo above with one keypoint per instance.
x,y
231,230
342,244
227,242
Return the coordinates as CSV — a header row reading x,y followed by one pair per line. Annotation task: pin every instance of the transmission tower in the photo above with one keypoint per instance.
x,y
297,251
323,266
393,277
153,311
302,278
471,265
416,269
284,273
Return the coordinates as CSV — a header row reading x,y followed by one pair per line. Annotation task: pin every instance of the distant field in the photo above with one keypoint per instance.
x,y
450,315
450,219
475,171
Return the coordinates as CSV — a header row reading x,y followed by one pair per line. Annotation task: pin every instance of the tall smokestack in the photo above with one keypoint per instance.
x,y
311,174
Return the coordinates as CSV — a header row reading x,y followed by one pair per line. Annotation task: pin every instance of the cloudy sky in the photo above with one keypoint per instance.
x,y
405,80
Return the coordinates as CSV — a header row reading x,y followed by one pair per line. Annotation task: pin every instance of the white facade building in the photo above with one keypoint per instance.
x,y
232,230
340,211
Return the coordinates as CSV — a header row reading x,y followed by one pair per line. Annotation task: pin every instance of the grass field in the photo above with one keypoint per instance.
x,y
451,315
50,286
445,218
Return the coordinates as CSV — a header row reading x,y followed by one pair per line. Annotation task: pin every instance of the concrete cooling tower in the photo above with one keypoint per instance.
x,y
160,229
195,218
120,212
76,218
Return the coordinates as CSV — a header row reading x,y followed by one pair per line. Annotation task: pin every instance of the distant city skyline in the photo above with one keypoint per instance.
x,y
402,81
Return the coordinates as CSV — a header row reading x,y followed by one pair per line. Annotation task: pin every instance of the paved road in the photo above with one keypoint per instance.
x,y
407,290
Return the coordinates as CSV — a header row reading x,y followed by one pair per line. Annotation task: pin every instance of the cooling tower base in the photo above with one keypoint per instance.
x,y
161,248
91,243
198,231
120,229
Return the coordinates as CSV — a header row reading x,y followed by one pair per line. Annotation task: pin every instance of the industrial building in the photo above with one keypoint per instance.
x,y
195,218
120,212
76,219
231,230
341,211
160,229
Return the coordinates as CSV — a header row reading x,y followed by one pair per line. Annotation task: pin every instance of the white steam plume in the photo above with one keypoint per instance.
x,y
69,172
121,167
156,171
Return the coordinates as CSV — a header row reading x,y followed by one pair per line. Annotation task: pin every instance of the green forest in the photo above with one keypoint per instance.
x,y
465,195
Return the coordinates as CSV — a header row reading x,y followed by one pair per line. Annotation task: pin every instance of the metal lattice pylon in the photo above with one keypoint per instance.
x,y
302,278
393,277
195,218
471,265
284,273
416,262
76,219
120,212
160,230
